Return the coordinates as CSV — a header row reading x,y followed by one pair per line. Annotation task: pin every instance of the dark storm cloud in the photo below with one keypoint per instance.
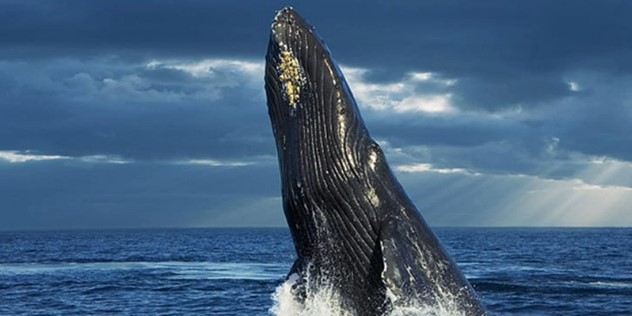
x,y
493,38
404,129
135,29
504,53
602,117
87,108
489,148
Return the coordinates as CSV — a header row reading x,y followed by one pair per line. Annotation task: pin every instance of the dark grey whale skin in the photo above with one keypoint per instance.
x,y
355,230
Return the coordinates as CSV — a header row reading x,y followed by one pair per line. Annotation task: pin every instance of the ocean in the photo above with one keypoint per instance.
x,y
516,271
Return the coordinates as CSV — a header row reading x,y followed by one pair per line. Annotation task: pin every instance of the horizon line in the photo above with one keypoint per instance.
x,y
84,229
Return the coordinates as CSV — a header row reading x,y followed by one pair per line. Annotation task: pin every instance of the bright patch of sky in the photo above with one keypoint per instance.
x,y
17,157
218,163
13,156
426,167
209,67
401,95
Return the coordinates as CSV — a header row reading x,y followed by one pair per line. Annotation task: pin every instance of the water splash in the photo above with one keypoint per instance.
x,y
326,302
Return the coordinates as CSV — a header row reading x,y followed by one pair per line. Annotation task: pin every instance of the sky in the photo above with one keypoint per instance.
x,y
136,114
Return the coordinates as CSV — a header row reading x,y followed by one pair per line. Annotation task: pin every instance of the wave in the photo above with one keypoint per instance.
x,y
612,284
601,284
174,269
326,302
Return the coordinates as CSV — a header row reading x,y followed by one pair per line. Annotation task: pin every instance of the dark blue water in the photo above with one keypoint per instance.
x,y
235,271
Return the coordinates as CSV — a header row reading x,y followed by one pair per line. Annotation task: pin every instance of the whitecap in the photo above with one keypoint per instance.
x,y
177,270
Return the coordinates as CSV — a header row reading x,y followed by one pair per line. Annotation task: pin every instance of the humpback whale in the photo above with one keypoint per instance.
x,y
356,232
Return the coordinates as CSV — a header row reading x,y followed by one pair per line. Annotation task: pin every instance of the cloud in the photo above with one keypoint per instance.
x,y
212,67
157,29
16,157
26,157
519,111
146,110
433,104
414,92
231,163
503,54
574,86
531,140
426,167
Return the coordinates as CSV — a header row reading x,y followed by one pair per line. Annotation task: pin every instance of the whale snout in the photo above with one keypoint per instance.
x,y
303,82
287,76
287,26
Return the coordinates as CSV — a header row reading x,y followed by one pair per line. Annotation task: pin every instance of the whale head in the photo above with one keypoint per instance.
x,y
306,90
321,139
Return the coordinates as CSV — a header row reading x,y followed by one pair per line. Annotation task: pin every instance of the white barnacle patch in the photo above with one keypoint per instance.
x,y
372,162
290,76
373,198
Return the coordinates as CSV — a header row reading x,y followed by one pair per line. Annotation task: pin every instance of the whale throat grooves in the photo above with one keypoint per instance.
x,y
358,237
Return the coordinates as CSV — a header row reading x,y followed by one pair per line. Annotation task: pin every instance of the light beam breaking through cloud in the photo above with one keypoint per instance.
x,y
489,121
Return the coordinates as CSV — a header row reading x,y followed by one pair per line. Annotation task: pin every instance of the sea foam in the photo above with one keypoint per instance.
x,y
326,302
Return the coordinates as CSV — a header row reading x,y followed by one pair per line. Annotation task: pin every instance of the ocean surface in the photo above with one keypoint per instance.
x,y
516,271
